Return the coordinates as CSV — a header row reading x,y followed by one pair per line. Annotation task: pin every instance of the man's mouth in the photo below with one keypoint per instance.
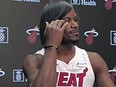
x,y
74,31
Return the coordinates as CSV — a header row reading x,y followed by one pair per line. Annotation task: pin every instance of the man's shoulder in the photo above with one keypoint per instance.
x,y
93,54
41,51
96,61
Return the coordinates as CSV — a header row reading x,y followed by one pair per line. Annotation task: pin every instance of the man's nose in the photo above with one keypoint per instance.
x,y
75,23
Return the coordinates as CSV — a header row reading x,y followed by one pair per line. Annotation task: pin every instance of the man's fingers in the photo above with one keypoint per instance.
x,y
56,22
60,24
51,24
47,24
64,26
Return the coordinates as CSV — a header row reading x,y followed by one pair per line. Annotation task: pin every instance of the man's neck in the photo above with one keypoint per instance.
x,y
66,53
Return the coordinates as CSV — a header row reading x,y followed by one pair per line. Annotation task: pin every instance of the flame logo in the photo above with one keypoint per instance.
x,y
108,4
90,36
32,37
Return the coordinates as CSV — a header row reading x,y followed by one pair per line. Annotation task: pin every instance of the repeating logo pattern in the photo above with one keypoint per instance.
x,y
18,75
27,0
3,34
2,73
108,4
90,36
83,2
32,37
113,37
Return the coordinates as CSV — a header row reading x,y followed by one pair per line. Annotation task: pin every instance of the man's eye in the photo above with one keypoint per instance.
x,y
67,19
76,19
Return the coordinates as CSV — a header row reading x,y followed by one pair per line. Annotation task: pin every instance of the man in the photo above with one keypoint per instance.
x,y
60,63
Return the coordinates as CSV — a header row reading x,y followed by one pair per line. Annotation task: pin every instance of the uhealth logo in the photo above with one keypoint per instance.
x,y
18,75
83,2
113,37
27,0
3,34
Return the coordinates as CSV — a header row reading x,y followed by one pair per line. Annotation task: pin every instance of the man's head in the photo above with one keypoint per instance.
x,y
53,11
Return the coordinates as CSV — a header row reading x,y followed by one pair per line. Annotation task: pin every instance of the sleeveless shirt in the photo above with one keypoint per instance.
x,y
77,73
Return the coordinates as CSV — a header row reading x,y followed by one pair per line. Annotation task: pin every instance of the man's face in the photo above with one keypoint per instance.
x,y
71,33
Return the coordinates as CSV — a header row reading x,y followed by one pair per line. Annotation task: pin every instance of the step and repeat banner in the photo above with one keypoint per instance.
x,y
19,33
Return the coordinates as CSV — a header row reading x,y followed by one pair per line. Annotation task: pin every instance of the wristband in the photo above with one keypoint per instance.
x,y
48,46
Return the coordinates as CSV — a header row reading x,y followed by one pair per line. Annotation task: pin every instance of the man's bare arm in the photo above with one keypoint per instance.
x,y
101,71
47,73
31,66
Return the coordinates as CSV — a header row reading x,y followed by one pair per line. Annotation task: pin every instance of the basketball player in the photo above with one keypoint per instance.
x,y
60,63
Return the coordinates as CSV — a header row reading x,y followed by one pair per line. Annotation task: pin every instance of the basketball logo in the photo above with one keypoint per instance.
x,y
90,36
108,4
2,73
32,37
89,39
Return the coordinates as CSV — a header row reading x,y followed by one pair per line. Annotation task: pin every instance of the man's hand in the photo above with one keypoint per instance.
x,y
54,32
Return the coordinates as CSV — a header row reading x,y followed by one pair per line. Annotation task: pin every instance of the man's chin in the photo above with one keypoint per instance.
x,y
75,42
69,42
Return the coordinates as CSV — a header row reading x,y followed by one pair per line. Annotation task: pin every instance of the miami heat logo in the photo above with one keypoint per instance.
x,y
113,74
32,37
90,36
2,73
108,4
73,79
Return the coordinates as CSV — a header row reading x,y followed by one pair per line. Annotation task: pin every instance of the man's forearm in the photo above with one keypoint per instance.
x,y
47,74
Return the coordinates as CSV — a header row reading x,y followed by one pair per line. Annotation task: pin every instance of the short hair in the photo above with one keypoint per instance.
x,y
53,11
